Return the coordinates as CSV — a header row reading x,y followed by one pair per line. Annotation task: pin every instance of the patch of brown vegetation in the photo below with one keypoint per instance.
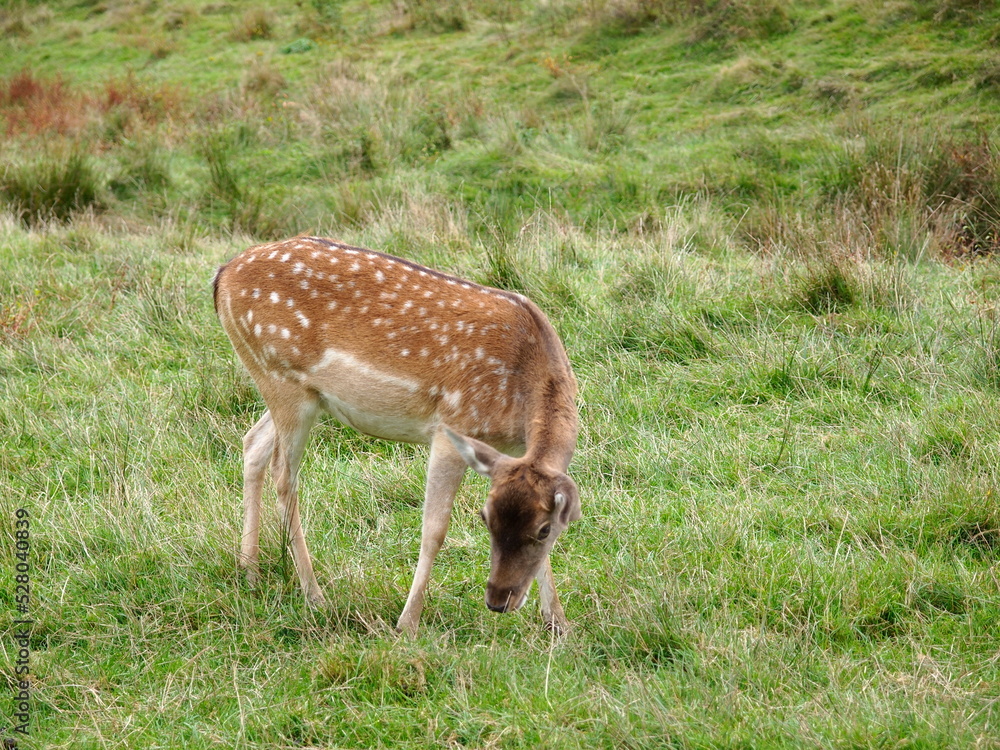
x,y
34,105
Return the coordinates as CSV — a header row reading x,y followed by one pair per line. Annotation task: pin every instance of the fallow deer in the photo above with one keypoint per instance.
x,y
408,354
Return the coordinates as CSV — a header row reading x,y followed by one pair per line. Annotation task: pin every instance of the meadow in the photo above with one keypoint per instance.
x,y
767,234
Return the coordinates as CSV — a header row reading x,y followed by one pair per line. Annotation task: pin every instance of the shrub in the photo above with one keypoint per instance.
x,y
32,104
263,78
709,19
243,206
143,167
826,288
52,188
438,17
945,186
256,23
21,19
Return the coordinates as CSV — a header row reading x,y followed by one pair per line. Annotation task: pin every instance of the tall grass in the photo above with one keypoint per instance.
x,y
782,496
52,187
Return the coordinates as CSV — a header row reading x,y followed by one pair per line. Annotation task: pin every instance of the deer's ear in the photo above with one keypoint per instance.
x,y
480,457
566,503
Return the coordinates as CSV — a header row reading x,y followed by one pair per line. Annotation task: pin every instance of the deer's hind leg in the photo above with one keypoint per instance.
x,y
258,447
292,419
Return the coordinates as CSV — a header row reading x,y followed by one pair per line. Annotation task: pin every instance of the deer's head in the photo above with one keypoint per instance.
x,y
527,508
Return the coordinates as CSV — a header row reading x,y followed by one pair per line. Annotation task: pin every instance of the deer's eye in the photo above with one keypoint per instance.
x,y
543,533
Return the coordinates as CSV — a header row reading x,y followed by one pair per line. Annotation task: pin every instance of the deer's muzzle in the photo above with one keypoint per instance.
x,y
501,599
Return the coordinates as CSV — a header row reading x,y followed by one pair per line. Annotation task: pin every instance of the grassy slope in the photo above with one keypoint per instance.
x,y
789,458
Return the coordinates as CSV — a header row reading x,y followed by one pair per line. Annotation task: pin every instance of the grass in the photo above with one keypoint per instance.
x,y
772,266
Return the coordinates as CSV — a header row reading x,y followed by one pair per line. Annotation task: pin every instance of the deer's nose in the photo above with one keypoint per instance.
x,y
504,600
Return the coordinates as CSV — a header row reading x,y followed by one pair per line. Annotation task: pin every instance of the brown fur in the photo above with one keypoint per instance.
x,y
400,351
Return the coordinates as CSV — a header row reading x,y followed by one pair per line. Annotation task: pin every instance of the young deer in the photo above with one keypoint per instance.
x,y
404,353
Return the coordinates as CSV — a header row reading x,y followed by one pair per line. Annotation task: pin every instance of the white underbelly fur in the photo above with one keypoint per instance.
x,y
370,401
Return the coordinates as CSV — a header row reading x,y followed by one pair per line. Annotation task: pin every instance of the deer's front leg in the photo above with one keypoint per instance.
x,y
444,475
552,611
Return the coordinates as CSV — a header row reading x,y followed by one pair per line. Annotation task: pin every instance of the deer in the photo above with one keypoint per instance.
x,y
407,354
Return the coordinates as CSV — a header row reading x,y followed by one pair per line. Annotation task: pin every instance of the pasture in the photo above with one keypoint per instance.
x,y
766,233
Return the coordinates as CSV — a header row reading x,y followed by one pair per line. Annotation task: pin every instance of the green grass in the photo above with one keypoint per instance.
x,y
766,233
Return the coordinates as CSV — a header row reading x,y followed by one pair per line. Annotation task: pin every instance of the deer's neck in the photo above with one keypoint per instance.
x,y
551,430
552,426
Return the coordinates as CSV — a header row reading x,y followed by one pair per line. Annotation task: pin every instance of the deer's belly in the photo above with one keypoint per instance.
x,y
402,428
377,403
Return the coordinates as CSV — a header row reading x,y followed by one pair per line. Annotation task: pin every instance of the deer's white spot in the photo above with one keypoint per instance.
x,y
274,298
